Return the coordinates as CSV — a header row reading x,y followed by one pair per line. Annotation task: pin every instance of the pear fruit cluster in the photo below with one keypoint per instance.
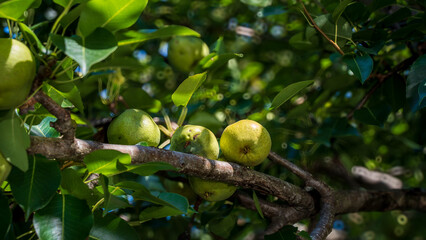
x,y
17,70
245,142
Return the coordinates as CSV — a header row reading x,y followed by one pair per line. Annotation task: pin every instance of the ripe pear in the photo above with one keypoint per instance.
x,y
184,52
200,141
134,126
17,70
245,142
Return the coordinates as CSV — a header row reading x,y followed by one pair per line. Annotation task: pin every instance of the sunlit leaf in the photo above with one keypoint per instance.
x,y
288,92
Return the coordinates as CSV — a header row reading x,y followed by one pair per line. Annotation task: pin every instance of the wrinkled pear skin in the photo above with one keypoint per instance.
x,y
245,142
184,52
17,72
134,126
196,140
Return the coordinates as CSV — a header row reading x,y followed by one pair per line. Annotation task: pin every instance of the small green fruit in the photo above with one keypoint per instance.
x,y
184,52
134,126
180,188
210,190
17,70
196,140
245,142
5,168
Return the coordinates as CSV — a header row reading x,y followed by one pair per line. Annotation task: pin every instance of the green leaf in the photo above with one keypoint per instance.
x,y
73,184
14,9
6,216
133,37
327,25
107,162
361,66
288,92
138,98
14,149
31,37
110,14
111,202
150,168
64,3
223,226
111,227
65,217
186,89
157,212
334,127
415,88
257,204
69,91
87,51
340,9
71,16
214,61
119,62
374,115
166,199
394,92
34,188
43,129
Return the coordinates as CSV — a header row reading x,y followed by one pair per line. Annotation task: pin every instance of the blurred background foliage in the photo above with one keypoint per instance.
x,y
312,129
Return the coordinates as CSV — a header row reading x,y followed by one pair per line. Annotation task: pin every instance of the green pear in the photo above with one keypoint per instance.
x,y
5,168
201,141
17,70
210,190
184,52
197,140
245,142
134,126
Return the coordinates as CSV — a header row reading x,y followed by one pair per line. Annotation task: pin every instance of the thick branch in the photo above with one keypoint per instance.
x,y
302,203
185,163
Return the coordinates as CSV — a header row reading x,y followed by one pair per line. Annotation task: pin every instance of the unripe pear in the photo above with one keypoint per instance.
x,y
245,142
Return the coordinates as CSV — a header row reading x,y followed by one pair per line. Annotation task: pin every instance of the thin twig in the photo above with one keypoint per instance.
x,y
319,29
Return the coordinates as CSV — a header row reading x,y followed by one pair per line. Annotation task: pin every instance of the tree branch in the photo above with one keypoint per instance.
x,y
325,223
300,204
193,165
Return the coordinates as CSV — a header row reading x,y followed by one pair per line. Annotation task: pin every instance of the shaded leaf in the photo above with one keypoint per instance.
x,y
111,227
73,184
158,212
64,3
223,226
361,66
14,149
257,204
340,9
6,216
65,217
69,91
34,188
150,168
288,92
138,98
